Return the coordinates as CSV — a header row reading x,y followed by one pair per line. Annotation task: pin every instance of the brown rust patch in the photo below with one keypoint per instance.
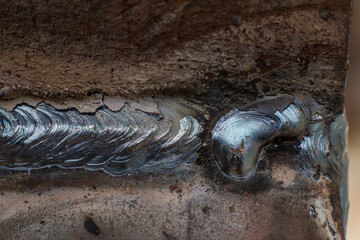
x,y
78,50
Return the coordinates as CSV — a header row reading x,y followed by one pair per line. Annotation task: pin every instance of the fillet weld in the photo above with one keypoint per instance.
x,y
238,136
326,147
118,143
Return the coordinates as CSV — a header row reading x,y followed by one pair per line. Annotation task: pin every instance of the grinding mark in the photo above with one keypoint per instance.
x,y
124,142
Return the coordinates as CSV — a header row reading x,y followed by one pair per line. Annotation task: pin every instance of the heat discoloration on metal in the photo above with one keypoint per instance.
x,y
218,55
151,145
325,146
174,205
123,142
238,137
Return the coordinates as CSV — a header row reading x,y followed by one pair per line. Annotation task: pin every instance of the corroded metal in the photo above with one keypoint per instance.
x,y
96,85
131,140
325,146
167,135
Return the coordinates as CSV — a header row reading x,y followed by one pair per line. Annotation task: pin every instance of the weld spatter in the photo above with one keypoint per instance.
x,y
123,142
325,146
238,137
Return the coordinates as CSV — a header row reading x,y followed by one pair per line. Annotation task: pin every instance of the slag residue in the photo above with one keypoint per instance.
x,y
122,142
325,146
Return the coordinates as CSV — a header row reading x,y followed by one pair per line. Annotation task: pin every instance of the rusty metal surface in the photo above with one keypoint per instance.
x,y
286,195
55,205
215,56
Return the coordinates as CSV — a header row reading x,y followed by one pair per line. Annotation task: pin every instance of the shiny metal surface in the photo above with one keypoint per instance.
x,y
238,137
123,142
325,147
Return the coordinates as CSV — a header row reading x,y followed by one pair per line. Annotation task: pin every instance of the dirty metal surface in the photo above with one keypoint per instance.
x,y
274,71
